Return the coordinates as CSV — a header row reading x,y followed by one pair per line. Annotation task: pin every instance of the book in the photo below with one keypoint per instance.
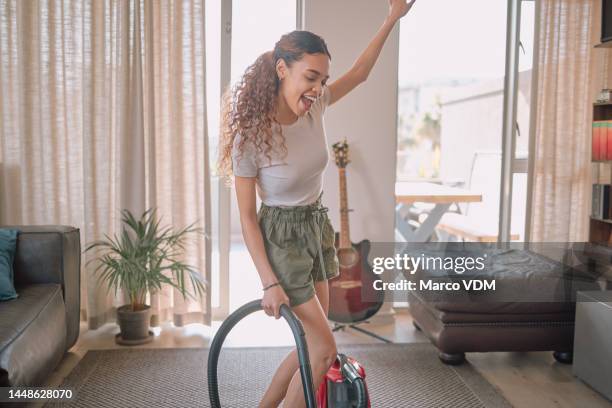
x,y
609,137
595,197
603,141
596,140
601,201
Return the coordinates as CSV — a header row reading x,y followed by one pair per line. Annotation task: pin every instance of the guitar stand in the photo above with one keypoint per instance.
x,y
338,326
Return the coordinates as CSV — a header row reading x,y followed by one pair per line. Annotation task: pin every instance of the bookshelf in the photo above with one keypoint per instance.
x,y
606,221
600,231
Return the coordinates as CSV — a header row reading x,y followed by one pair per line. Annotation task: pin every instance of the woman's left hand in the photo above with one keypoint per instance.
x,y
399,8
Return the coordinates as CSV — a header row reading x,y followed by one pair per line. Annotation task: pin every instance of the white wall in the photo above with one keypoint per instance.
x,y
366,117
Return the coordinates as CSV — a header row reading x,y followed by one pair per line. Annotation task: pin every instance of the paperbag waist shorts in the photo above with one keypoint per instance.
x,y
299,242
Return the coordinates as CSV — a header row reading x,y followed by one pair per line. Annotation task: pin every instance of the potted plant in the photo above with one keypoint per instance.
x,y
136,261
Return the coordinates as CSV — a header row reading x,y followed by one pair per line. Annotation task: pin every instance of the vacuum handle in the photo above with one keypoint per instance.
x,y
300,341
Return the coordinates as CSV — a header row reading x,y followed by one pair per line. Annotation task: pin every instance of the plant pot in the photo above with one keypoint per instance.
x,y
134,325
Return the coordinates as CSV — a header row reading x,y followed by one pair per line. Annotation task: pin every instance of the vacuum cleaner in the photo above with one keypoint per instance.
x,y
343,386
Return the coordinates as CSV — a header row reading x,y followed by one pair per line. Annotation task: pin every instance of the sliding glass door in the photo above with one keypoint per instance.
x,y
238,31
451,117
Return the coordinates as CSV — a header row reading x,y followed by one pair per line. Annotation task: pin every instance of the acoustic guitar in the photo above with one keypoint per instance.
x,y
348,291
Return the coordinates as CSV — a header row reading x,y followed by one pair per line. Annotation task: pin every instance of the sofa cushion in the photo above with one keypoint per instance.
x,y
17,314
8,241
32,335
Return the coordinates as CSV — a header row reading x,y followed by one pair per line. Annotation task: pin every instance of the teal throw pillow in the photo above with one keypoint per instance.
x,y
8,244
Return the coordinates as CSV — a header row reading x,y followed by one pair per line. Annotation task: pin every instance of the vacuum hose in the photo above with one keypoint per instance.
x,y
231,321
362,400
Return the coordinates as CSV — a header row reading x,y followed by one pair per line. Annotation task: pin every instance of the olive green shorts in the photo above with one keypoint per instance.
x,y
299,243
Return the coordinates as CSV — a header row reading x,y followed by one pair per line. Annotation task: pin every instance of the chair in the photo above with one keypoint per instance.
x,y
478,221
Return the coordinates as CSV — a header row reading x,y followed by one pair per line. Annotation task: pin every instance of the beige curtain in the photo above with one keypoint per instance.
x,y
570,72
102,107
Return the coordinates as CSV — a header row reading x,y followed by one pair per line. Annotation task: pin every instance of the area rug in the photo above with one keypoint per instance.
x,y
397,375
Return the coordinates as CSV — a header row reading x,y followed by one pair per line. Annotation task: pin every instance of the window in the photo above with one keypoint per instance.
x,y
256,27
450,87
451,101
213,80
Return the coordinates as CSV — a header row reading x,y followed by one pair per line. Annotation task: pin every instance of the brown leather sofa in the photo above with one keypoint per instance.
x,y
499,322
40,325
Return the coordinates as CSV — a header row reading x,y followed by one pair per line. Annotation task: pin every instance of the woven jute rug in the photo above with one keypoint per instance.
x,y
397,375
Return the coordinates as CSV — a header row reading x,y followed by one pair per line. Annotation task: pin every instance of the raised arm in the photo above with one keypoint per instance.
x,y
360,70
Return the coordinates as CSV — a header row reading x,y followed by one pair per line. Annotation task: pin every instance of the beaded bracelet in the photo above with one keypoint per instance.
x,y
269,286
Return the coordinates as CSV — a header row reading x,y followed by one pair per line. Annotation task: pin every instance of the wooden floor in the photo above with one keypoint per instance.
x,y
525,379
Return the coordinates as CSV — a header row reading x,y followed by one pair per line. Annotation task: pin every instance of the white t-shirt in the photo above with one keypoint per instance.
x,y
296,179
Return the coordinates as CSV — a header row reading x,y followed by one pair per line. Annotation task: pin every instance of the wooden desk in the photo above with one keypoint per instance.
x,y
407,193
425,192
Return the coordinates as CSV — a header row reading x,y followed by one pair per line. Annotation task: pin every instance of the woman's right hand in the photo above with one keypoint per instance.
x,y
273,298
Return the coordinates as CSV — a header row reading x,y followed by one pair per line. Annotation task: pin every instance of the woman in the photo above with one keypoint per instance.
x,y
274,142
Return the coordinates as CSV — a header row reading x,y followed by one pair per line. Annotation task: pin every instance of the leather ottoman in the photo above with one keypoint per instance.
x,y
532,309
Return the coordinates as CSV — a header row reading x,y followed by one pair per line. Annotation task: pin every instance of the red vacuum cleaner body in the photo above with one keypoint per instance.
x,y
344,385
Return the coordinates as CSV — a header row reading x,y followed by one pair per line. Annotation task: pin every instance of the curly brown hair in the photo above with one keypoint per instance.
x,y
248,107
